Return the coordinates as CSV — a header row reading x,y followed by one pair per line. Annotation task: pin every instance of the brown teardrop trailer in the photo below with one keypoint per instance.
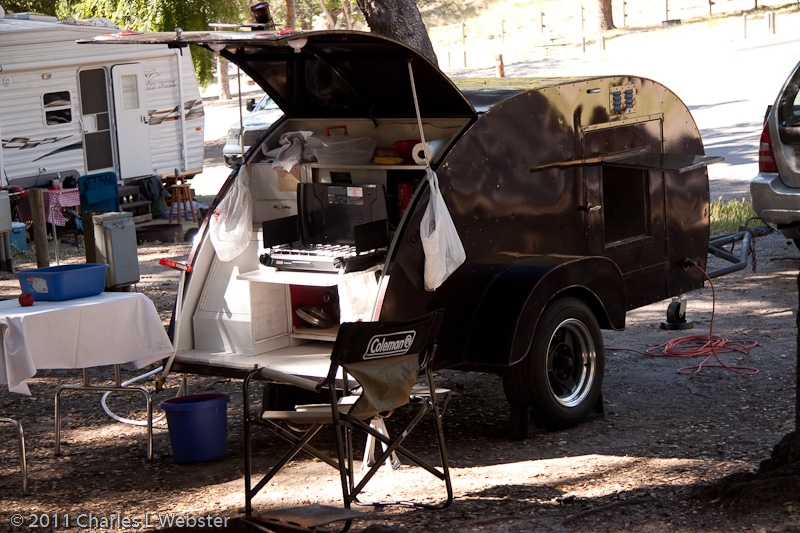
x,y
576,200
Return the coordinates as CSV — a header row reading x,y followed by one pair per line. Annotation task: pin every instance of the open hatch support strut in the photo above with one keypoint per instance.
x,y
416,108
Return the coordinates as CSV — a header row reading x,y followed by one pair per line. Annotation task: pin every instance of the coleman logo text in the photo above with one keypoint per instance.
x,y
389,345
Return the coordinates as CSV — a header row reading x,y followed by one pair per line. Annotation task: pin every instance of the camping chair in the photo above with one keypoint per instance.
x,y
99,192
385,360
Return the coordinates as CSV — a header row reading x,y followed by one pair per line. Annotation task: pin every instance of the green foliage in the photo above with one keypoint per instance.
x,y
162,15
45,7
728,216
305,11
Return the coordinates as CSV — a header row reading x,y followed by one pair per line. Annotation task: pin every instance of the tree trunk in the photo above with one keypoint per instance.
x,y
604,17
399,20
224,78
347,11
330,18
291,14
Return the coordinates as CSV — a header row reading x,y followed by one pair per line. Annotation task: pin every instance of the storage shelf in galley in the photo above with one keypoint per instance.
x,y
316,334
285,277
367,166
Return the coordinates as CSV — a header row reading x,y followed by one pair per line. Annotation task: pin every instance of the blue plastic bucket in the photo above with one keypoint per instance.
x,y
198,427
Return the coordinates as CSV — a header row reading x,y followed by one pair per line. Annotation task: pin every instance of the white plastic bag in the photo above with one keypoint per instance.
x,y
440,241
231,222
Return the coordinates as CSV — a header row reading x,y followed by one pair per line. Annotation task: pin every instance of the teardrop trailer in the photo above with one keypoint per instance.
x,y
576,201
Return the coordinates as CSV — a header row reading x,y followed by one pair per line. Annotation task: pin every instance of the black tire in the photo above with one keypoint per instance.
x,y
674,313
562,375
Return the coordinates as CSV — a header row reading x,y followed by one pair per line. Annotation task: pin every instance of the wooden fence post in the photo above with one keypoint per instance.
x,y
500,68
39,227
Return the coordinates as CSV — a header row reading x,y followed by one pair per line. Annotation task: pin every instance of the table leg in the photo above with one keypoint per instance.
x,y
23,463
118,387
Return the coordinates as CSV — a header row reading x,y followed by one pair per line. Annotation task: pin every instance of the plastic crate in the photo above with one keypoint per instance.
x,y
64,282
342,151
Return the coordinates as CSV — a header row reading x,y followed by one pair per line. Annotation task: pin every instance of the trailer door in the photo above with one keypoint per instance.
x,y
130,112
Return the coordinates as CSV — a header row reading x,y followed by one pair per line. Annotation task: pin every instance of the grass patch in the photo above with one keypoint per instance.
x,y
728,216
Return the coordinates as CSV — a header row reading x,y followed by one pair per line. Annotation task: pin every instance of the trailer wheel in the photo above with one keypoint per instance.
x,y
562,375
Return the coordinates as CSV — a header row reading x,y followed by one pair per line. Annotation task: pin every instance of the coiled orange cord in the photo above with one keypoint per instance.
x,y
706,346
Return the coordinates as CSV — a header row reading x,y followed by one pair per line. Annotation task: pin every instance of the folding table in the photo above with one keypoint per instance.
x,y
111,328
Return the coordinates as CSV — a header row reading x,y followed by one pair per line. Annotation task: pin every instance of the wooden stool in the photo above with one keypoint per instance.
x,y
181,193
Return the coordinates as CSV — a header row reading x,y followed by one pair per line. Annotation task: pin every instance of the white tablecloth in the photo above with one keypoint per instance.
x,y
107,329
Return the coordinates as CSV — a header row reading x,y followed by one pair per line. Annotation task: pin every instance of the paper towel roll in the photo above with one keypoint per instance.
x,y
424,153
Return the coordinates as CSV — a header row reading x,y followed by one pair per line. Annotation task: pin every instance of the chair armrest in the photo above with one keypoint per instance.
x,y
291,379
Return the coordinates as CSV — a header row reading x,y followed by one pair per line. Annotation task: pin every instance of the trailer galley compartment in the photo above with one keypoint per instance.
x,y
576,200
133,110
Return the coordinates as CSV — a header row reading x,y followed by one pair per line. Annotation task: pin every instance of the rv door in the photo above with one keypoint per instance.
x,y
130,112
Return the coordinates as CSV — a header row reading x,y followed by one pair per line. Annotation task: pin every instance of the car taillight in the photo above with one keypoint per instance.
x,y
766,159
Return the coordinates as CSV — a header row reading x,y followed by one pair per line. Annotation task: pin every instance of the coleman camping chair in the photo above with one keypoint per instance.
x,y
374,367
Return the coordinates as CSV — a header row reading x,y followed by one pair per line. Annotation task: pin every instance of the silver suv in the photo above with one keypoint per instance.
x,y
240,137
776,189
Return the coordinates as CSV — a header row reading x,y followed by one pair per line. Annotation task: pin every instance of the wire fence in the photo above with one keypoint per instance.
x,y
545,28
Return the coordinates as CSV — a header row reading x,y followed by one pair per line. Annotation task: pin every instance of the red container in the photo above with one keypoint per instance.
x,y
404,148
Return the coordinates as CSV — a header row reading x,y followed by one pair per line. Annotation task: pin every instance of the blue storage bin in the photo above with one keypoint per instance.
x,y
18,237
64,282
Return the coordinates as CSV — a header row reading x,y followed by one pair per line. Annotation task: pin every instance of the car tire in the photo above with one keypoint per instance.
x,y
230,162
561,377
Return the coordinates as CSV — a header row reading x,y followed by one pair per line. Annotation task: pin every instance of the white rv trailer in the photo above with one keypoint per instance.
x,y
133,110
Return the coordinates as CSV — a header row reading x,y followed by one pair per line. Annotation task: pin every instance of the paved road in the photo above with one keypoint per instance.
x,y
727,81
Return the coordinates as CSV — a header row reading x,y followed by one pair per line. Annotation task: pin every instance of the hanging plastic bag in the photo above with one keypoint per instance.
x,y
440,241
231,222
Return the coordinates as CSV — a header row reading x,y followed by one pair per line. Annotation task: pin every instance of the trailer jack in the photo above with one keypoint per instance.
x,y
676,315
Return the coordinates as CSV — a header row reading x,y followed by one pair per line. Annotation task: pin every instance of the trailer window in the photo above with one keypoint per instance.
x,y
130,92
626,206
57,108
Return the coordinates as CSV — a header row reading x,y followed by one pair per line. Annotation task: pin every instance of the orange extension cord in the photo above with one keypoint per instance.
x,y
707,346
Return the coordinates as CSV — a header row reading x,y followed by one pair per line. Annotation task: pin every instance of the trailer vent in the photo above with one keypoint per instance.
x,y
622,99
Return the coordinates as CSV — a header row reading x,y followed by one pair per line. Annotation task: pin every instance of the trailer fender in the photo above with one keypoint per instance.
x,y
506,318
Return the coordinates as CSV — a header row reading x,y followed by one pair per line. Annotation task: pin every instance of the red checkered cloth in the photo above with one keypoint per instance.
x,y
54,200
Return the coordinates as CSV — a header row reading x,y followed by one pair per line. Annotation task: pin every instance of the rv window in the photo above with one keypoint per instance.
x,y
57,108
626,205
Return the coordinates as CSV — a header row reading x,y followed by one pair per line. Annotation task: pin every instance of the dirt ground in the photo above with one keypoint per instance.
x,y
638,467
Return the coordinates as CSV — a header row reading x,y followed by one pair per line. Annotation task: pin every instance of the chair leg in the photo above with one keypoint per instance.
x,y
299,444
